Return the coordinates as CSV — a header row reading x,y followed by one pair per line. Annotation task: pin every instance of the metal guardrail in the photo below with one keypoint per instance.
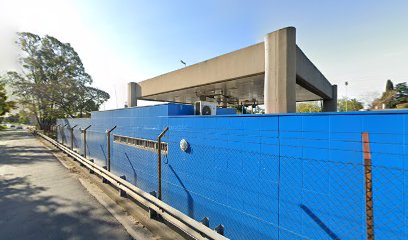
x,y
191,227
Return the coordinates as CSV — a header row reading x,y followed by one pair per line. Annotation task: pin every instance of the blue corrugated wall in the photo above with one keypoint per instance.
x,y
286,176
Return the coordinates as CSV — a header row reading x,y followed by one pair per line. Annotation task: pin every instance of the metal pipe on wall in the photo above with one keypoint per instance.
x,y
368,186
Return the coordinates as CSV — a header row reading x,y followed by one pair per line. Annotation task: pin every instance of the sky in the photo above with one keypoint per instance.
x,y
361,42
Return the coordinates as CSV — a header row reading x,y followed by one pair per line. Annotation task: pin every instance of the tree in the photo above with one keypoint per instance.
x,y
12,118
401,95
389,86
395,97
308,107
5,106
349,105
53,83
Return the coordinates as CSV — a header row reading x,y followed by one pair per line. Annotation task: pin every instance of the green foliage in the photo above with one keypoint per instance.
x,y
395,98
22,117
308,107
389,86
349,105
54,82
12,118
401,95
5,106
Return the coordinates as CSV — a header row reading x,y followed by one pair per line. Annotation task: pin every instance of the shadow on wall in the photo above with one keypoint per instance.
x,y
133,169
26,213
103,152
319,222
190,200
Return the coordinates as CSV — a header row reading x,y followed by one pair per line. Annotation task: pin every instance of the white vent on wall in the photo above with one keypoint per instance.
x,y
140,143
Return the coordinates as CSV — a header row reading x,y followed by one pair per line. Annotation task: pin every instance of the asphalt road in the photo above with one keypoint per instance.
x,y
41,199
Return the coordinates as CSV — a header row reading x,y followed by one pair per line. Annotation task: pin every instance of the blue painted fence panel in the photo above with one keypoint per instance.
x,y
286,176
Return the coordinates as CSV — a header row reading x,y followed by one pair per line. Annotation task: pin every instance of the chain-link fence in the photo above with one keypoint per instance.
x,y
266,184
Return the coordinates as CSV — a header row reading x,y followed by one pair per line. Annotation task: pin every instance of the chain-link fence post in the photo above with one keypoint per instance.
x,y
51,131
159,192
72,136
63,134
368,186
56,131
84,131
108,133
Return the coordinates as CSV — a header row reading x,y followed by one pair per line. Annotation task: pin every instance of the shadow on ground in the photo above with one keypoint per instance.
x,y
36,197
18,154
25,214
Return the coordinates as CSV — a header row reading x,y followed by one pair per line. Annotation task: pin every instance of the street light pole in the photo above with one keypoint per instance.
x,y
346,83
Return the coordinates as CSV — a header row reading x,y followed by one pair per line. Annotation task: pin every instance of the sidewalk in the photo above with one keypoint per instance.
x,y
40,199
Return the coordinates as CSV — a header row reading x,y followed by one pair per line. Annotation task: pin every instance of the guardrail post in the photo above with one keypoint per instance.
x,y
122,193
205,221
159,192
56,127
52,130
72,137
91,171
63,134
84,131
220,229
56,131
108,132
368,187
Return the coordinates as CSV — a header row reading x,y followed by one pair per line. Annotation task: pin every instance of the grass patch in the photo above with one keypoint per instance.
x,y
2,127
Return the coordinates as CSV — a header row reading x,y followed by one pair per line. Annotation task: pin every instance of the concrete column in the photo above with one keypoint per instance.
x,y
280,71
330,105
134,92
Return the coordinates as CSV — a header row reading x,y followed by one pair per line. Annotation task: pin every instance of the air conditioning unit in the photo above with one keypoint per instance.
x,y
205,108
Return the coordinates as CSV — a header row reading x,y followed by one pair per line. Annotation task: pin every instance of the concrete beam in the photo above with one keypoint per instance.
x,y
280,71
309,77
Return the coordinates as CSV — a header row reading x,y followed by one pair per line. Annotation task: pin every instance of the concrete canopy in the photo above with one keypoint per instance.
x,y
241,76
241,90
